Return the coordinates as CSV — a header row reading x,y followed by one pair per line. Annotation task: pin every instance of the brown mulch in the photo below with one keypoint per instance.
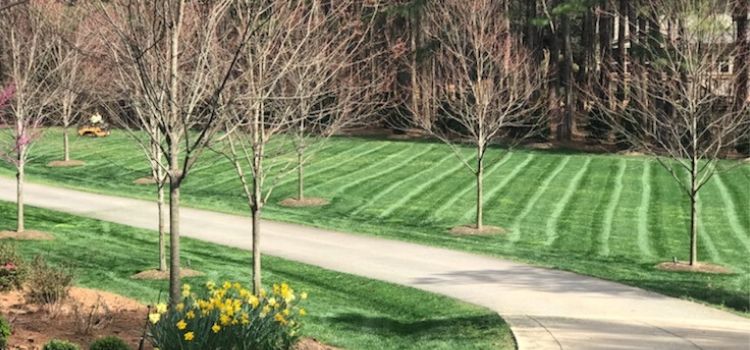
x,y
34,326
164,275
305,202
65,163
312,344
146,180
631,153
26,235
684,266
471,230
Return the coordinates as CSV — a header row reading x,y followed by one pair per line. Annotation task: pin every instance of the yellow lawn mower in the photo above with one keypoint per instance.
x,y
94,127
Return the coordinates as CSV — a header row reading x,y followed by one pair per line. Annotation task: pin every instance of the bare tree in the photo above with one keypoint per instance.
x,y
686,118
486,83
26,51
168,49
283,89
329,87
75,74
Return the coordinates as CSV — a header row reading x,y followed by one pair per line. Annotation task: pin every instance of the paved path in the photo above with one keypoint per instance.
x,y
547,309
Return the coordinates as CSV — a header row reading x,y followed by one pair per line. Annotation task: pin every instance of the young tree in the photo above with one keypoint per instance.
x,y
686,118
286,87
26,51
487,83
75,76
168,49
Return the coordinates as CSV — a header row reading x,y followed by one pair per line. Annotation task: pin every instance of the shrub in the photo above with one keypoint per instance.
x,y
109,343
12,267
5,331
56,344
229,317
48,284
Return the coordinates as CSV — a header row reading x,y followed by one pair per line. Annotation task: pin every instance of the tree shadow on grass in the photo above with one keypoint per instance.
x,y
436,328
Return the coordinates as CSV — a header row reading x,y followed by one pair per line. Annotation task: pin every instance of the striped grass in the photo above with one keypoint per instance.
x,y
609,216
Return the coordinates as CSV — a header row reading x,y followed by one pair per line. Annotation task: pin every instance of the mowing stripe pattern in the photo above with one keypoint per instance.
x,y
614,201
552,233
438,213
731,214
515,234
643,233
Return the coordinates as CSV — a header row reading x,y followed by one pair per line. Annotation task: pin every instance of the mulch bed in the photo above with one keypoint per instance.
x,y
164,275
26,235
33,326
146,180
684,266
471,230
65,163
305,202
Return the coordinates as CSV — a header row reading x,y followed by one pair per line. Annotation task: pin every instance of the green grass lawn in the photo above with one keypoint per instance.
x,y
609,216
344,310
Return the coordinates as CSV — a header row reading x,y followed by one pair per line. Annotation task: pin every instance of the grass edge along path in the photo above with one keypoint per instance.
x,y
408,203
344,310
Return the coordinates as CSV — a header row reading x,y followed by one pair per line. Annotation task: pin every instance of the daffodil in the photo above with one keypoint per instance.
x,y
161,308
303,295
154,318
181,325
189,336
216,328
302,312
179,307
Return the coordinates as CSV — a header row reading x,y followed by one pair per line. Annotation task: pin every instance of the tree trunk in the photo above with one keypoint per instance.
x,y
174,240
566,73
19,196
300,174
256,251
693,230
66,145
743,51
480,175
162,229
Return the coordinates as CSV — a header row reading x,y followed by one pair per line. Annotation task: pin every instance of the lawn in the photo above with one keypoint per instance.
x,y
609,216
344,310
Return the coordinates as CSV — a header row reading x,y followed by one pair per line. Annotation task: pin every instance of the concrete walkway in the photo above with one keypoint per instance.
x,y
547,309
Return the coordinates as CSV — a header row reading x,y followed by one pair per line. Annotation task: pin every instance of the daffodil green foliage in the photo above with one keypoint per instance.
x,y
229,317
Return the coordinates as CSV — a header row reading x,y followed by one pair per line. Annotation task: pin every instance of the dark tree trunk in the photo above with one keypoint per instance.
x,y
300,174
480,189
565,127
175,181
743,51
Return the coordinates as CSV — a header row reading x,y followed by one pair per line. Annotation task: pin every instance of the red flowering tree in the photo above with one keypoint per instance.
x,y
28,98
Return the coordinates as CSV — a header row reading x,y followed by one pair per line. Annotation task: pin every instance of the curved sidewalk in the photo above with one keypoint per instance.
x,y
547,309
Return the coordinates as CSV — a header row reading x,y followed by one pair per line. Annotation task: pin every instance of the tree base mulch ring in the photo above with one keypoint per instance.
x,y
26,235
146,180
471,230
312,344
684,266
65,163
164,275
305,202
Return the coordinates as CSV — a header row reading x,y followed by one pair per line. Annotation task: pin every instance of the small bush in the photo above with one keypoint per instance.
x,y
48,284
56,344
229,317
13,270
5,331
109,343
